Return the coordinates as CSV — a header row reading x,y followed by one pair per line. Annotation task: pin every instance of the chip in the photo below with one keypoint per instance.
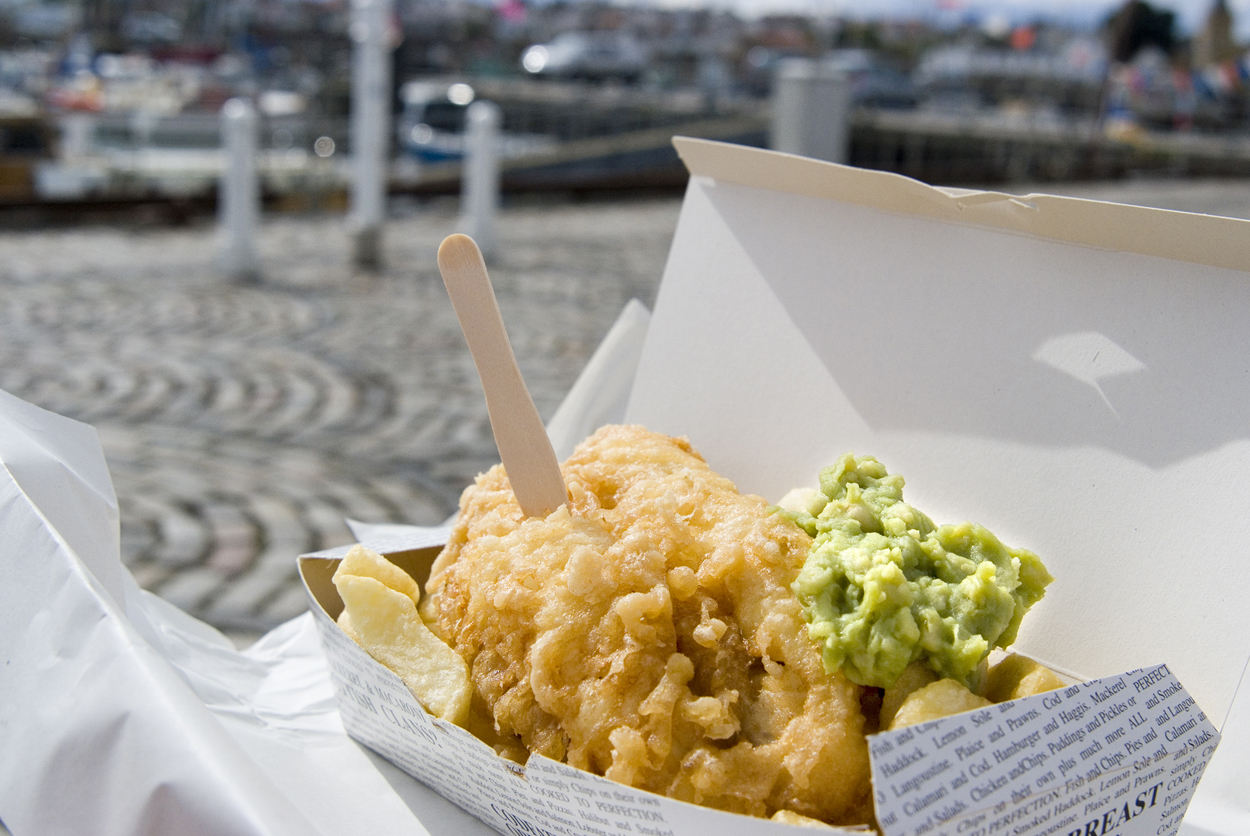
x,y
1016,676
937,699
380,614
914,677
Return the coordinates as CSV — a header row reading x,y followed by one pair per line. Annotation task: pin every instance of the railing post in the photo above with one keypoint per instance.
x,y
479,190
370,128
811,110
77,135
238,197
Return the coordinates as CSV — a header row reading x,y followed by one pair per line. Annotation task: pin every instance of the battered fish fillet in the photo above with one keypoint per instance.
x,y
648,633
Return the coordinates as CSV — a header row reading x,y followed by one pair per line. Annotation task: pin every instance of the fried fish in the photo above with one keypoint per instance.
x,y
647,632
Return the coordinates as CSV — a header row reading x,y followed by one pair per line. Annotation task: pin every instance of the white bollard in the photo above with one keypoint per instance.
x,y
77,135
479,186
238,198
811,110
370,127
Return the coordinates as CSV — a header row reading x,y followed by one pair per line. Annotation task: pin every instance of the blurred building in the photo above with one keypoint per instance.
x,y
117,92
1214,43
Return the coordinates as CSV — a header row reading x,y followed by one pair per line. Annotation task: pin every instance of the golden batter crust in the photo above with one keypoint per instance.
x,y
647,632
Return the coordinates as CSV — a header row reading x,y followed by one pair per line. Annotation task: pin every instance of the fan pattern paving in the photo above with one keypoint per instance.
x,y
243,423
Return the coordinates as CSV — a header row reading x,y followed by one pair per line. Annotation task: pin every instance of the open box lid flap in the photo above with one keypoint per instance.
x,y
1071,374
1184,236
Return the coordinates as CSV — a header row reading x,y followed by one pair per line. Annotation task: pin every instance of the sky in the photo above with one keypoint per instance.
x,y
1190,13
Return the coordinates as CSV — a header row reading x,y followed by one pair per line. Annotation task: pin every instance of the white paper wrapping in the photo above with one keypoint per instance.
x,y
121,715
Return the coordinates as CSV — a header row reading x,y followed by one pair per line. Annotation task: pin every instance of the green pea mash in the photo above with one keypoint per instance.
x,y
884,586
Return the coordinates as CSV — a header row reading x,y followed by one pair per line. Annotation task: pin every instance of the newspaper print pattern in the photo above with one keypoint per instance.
x,y
1118,756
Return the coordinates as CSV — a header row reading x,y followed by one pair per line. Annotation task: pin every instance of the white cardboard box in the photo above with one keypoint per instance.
x,y
1069,373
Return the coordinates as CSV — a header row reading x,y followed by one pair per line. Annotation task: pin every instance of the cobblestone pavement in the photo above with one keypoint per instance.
x,y
242,424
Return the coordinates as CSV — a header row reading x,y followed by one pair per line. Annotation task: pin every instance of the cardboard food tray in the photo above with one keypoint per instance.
x,y
1069,373
1016,763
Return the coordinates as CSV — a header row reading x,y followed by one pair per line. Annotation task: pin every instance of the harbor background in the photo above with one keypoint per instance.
x,y
248,407
109,106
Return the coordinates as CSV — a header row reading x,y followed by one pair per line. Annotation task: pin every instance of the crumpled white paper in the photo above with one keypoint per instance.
x,y
120,714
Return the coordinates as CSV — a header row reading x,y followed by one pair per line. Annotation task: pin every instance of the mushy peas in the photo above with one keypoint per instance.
x,y
884,586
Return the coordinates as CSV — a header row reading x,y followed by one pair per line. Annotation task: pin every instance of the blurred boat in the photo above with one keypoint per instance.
x,y
431,124
589,56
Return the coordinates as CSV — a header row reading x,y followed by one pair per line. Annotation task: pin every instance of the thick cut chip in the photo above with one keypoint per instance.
x,y
1016,676
367,563
380,614
938,699
914,677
